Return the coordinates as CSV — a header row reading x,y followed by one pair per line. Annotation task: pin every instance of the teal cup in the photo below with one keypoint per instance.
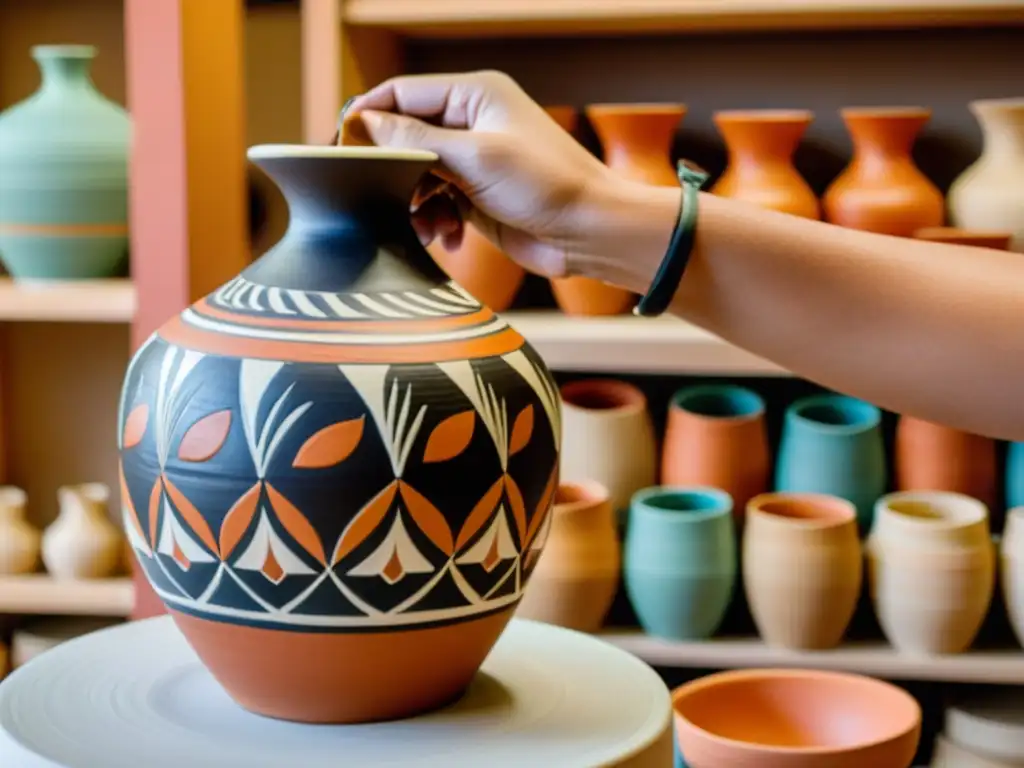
x,y
1015,476
680,560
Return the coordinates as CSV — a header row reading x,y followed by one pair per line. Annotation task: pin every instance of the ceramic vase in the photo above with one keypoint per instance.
x,y
833,445
716,436
802,568
82,543
19,539
976,238
931,567
64,175
989,195
680,560
1015,475
574,581
761,144
608,437
882,190
1011,553
487,274
338,465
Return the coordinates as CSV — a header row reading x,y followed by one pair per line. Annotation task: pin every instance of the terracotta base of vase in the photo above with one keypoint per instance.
x,y
583,296
338,678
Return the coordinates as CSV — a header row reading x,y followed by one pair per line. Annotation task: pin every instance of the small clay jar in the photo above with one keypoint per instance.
x,y
19,539
82,543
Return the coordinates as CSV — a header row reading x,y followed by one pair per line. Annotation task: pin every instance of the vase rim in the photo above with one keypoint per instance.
x,y
1011,102
927,510
868,416
640,108
991,238
608,396
765,115
719,502
333,152
815,511
752,404
63,51
886,112
588,493
13,495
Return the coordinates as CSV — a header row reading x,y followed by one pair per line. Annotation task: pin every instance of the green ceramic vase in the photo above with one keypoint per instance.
x,y
64,175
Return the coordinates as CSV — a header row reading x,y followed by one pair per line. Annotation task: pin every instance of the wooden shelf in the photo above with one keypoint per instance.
x,y
42,594
1003,666
76,301
633,344
474,18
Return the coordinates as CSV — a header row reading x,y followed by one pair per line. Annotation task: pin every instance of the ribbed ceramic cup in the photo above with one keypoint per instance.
x,y
931,570
832,444
1011,569
1015,475
716,437
680,560
802,568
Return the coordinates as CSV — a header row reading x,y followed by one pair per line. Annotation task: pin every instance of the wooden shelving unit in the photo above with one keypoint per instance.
x,y
473,18
43,594
85,301
999,667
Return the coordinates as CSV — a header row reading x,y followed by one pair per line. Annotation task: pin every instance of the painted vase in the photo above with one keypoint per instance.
x,y
82,543
761,144
989,194
802,568
608,437
882,190
680,560
833,445
931,570
716,436
19,539
337,466
1011,570
1015,475
64,175
574,582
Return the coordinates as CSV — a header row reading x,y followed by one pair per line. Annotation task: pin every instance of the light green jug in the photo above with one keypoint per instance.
x,y
64,175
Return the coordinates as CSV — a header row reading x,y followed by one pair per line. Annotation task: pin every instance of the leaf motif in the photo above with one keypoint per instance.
x,y
135,426
450,438
547,500
298,527
330,445
364,523
127,505
204,438
515,501
192,516
428,518
154,511
522,431
237,520
481,513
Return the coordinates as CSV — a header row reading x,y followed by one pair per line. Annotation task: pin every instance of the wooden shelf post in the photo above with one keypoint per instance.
x,y
187,199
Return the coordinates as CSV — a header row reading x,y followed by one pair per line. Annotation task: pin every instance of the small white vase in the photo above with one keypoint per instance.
x,y
989,195
19,539
82,543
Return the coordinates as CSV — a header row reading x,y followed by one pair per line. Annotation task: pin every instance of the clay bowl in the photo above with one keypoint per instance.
x,y
792,718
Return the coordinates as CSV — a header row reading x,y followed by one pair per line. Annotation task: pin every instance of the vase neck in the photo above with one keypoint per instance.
x,y
885,136
1002,128
64,67
758,141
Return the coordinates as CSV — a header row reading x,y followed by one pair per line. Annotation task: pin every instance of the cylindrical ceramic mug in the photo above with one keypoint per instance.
x,y
680,560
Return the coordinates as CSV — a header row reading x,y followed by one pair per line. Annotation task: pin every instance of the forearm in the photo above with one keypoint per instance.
x,y
931,330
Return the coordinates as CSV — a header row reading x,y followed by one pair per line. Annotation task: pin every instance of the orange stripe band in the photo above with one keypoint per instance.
x,y
188,337
64,230
204,308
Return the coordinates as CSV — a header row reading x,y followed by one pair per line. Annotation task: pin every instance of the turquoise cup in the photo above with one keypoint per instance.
x,y
680,560
1015,476
833,444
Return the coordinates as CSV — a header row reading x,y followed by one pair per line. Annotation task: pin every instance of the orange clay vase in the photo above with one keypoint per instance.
x,y
934,457
490,277
760,170
336,466
575,579
795,718
882,190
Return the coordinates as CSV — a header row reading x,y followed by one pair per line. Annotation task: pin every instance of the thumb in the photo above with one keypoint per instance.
x,y
455,148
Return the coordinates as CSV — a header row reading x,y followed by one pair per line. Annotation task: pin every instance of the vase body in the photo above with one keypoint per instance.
x,y
575,579
989,195
1011,571
931,567
608,437
680,560
19,539
760,169
882,190
337,466
716,437
1015,475
833,445
64,175
802,568
82,543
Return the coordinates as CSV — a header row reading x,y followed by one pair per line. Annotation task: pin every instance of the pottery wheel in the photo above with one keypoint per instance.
x,y
136,695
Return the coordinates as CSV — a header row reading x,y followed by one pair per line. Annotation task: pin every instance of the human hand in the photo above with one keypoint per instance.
x,y
519,178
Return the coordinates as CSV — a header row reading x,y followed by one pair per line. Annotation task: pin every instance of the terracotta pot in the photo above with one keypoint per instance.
x,y
882,190
802,568
788,718
761,144
335,464
988,724
931,568
1011,571
574,580
20,541
607,436
716,436
82,543
999,241
947,754
567,117
490,277
989,195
